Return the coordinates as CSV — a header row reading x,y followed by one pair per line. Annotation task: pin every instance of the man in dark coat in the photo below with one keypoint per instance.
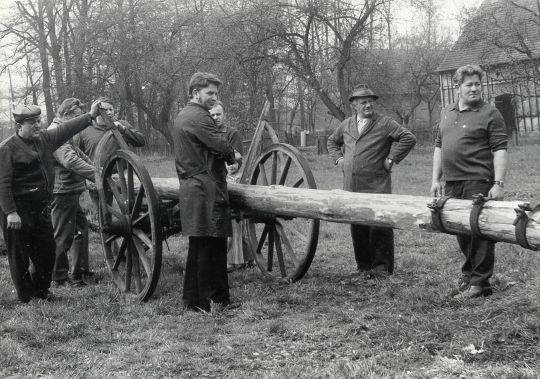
x,y
365,147
470,151
201,151
72,169
26,185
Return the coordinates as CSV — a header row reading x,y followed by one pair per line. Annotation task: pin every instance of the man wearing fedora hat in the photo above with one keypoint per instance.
x,y
26,184
365,147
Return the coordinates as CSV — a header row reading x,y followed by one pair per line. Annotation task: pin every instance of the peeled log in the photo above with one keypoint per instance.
x,y
394,211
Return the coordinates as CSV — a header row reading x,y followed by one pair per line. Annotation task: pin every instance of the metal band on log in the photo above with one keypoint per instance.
x,y
495,221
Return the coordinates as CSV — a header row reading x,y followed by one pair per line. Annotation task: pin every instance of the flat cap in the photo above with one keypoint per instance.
x,y
25,112
363,91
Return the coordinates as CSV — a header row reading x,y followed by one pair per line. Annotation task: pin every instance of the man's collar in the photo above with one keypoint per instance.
x,y
474,108
191,102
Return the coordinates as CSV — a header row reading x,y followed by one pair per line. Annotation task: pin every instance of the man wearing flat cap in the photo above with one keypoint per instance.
x,y
72,169
26,185
365,147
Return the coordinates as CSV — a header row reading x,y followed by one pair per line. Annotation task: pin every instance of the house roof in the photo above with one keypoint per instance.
x,y
495,35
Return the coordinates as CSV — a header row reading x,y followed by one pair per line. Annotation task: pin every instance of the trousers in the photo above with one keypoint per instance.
x,y
71,236
373,248
33,243
479,253
205,277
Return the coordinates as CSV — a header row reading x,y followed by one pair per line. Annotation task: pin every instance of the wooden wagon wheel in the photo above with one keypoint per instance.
x,y
129,219
283,247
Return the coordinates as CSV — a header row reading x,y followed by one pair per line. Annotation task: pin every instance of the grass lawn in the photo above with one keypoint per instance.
x,y
329,324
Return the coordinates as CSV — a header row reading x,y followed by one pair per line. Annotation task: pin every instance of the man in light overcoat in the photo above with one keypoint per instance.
x,y
365,147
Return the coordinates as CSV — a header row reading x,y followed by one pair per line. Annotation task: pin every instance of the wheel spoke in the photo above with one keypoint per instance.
x,y
114,212
130,186
270,249
285,171
262,239
273,174
142,255
143,237
262,174
122,178
287,243
110,239
292,230
138,202
121,255
140,218
298,183
136,269
279,251
120,200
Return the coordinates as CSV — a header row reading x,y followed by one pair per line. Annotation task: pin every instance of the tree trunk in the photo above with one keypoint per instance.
x,y
55,49
44,59
394,211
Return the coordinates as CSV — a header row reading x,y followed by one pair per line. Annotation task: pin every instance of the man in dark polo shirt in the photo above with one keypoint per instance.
x,y
470,151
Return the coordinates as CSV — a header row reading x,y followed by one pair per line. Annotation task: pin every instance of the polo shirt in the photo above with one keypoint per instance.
x,y
468,138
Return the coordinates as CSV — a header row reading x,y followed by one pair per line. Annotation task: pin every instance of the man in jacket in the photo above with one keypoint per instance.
x,y
201,151
72,168
26,184
89,139
470,151
100,134
365,147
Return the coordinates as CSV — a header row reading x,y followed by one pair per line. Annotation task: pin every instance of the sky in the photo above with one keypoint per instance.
x,y
405,19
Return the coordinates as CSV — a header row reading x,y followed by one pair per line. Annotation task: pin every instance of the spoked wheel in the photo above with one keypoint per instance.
x,y
283,247
129,220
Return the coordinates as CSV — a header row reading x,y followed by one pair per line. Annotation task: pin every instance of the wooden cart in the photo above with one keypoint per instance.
x,y
281,208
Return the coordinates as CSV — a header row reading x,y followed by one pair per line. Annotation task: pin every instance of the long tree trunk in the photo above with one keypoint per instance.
x,y
394,211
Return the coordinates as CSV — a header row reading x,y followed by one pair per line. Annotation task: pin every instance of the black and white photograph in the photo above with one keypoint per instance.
x,y
270,189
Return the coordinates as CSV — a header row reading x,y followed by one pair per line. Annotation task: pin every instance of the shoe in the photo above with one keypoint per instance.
x,y
470,293
88,274
46,295
232,305
224,307
376,274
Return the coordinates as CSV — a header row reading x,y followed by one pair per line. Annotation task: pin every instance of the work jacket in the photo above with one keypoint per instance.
x,y
88,141
72,167
203,197
364,155
27,167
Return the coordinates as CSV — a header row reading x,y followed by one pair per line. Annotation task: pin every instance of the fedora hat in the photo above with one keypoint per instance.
x,y
363,92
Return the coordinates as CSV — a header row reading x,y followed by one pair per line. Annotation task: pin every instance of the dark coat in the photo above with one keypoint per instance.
x,y
204,201
364,155
27,169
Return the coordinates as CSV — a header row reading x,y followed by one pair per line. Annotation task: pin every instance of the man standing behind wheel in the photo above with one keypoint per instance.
x,y
26,184
470,151
72,168
89,140
201,151
365,147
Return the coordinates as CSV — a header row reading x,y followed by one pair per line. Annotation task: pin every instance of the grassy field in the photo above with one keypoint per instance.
x,y
330,324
